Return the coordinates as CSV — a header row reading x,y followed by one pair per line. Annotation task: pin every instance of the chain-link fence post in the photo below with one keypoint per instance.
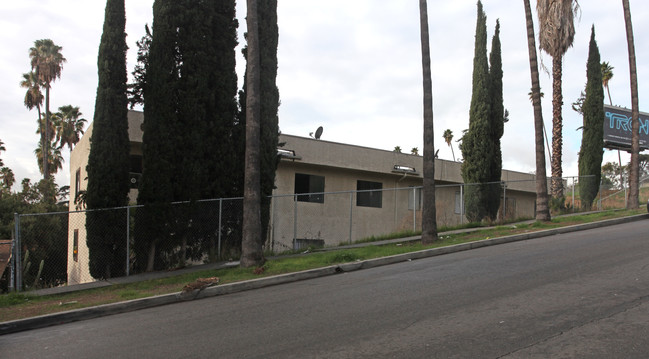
x,y
573,193
220,227
128,240
18,262
504,184
12,271
273,205
294,221
462,204
599,201
351,213
414,209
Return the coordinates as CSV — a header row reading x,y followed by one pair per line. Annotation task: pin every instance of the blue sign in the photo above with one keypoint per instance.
x,y
617,128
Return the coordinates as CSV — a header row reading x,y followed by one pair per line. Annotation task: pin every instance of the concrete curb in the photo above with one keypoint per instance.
x,y
136,304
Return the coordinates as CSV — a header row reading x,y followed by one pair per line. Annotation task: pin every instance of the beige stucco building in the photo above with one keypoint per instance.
x,y
390,197
359,192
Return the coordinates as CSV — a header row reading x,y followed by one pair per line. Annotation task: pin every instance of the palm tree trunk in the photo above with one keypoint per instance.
x,y
557,128
251,249
542,209
429,213
634,171
46,143
608,91
619,157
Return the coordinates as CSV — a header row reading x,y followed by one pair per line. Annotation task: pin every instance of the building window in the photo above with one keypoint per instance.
x,y
75,246
313,185
77,183
414,199
372,195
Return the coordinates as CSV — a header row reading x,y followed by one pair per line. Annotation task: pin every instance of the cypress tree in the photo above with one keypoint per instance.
x,y
208,109
158,153
592,143
190,113
108,161
269,121
476,148
496,124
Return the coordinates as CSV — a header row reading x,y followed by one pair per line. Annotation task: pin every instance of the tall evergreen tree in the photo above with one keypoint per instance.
x,y
108,161
269,120
207,113
190,112
475,146
497,126
158,154
592,141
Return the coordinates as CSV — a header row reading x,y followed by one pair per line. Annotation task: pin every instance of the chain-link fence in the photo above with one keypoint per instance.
x,y
68,248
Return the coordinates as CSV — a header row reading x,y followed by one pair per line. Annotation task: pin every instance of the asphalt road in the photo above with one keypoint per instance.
x,y
578,295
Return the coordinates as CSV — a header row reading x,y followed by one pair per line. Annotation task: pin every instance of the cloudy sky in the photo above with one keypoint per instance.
x,y
353,67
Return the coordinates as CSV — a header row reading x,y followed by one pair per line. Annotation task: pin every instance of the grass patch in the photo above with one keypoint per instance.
x,y
13,299
22,305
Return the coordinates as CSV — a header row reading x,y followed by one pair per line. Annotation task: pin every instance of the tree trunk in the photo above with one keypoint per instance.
x,y
557,128
46,143
634,171
429,220
542,209
252,254
151,258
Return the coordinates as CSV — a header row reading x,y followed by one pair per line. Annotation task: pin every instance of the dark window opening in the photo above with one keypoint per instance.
x,y
75,246
309,184
372,195
77,183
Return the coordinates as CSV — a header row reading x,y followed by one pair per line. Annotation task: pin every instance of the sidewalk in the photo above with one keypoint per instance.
x,y
220,265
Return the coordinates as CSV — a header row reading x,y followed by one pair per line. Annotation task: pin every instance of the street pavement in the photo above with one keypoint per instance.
x,y
128,306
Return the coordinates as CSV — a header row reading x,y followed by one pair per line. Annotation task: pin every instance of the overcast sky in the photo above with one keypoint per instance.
x,y
351,66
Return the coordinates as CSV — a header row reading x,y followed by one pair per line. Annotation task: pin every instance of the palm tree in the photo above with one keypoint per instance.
x,y
69,127
54,159
556,35
397,149
429,212
448,137
33,97
634,173
414,151
607,75
252,254
542,208
7,177
47,63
